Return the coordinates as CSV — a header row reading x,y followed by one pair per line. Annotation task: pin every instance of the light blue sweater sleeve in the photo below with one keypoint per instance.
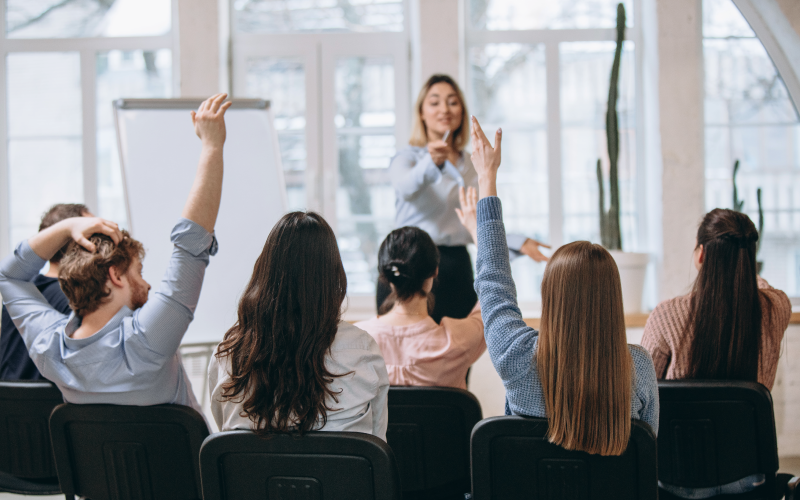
x,y
509,340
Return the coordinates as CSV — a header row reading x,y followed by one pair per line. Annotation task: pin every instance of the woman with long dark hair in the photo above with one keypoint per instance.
x,y
578,370
426,176
289,363
731,325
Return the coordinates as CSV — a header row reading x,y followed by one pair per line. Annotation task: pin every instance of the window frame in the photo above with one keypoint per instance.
x,y
551,39
87,48
319,52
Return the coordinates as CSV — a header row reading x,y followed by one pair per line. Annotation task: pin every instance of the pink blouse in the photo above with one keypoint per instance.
x,y
428,354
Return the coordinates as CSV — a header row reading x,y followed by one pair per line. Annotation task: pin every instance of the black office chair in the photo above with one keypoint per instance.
x,y
512,459
716,432
106,452
239,465
26,456
429,432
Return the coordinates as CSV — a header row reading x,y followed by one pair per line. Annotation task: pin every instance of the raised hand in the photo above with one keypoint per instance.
x,y
468,213
485,158
209,120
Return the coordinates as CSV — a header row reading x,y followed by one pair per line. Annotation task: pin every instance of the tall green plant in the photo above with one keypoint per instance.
x,y
610,220
738,205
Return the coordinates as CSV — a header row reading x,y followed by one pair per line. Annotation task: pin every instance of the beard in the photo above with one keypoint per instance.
x,y
139,294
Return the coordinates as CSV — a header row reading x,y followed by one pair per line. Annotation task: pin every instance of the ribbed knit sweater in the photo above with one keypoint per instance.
x,y
670,343
512,344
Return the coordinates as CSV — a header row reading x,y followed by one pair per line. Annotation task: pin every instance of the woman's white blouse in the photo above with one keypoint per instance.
x,y
361,405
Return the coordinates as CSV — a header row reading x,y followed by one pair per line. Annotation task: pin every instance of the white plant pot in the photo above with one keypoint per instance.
x,y
632,271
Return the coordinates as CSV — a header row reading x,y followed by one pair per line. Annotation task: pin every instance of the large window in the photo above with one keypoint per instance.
x,y
540,69
64,62
750,118
336,74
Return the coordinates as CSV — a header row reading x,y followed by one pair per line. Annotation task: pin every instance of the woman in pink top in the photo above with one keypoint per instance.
x,y
417,350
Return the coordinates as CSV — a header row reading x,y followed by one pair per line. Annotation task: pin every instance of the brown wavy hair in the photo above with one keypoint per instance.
x,y
583,359
288,317
419,132
725,312
84,275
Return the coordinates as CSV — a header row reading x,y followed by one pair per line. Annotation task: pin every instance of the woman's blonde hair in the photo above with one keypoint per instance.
x,y
419,133
583,359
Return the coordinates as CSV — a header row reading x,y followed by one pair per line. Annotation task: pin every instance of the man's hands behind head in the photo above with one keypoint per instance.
x,y
209,120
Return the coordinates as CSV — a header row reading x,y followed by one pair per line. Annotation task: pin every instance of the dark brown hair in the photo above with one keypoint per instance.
x,y
56,214
582,358
725,313
288,318
84,275
407,257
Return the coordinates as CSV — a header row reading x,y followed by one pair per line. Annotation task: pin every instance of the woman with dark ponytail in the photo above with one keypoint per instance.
x,y
731,325
417,350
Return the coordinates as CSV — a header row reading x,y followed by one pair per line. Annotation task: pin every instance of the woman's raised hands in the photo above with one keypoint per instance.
x,y
468,213
486,158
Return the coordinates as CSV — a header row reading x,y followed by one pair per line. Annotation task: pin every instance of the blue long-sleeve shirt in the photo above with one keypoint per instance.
x,y
512,344
427,197
133,359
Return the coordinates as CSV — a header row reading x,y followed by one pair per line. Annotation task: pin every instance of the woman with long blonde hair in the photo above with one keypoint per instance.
x,y
578,371
426,176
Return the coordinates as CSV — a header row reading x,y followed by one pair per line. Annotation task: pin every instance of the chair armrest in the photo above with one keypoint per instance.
x,y
791,488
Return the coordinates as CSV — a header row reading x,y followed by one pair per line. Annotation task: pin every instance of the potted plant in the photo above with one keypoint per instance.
x,y
632,266
738,206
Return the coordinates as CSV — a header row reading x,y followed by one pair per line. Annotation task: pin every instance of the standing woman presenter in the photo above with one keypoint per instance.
x,y
426,176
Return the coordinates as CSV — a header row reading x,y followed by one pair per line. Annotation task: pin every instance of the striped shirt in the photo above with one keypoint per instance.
x,y
512,344
670,344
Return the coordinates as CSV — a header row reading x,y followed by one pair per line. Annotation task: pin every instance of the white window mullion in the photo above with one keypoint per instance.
x,y
89,130
5,212
330,147
556,204
641,171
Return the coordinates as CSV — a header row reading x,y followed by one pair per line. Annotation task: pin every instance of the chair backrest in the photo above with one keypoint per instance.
x,y
512,459
239,465
714,432
108,452
429,432
25,409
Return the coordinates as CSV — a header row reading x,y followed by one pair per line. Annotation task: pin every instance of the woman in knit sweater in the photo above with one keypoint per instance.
x,y
729,327
732,307
578,371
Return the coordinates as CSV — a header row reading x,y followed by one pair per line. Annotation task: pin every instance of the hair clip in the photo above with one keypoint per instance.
x,y
395,271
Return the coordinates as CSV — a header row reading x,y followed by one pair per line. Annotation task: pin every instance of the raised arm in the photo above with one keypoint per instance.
x,y
509,340
202,206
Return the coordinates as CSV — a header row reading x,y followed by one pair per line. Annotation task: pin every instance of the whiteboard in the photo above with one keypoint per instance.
x,y
159,153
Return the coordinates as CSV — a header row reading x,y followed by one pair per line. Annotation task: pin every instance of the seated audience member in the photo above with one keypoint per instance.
x,y
118,347
289,364
578,370
15,363
417,350
729,327
729,305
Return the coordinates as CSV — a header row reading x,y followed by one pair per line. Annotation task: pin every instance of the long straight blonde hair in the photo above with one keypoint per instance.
x,y
419,132
583,359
